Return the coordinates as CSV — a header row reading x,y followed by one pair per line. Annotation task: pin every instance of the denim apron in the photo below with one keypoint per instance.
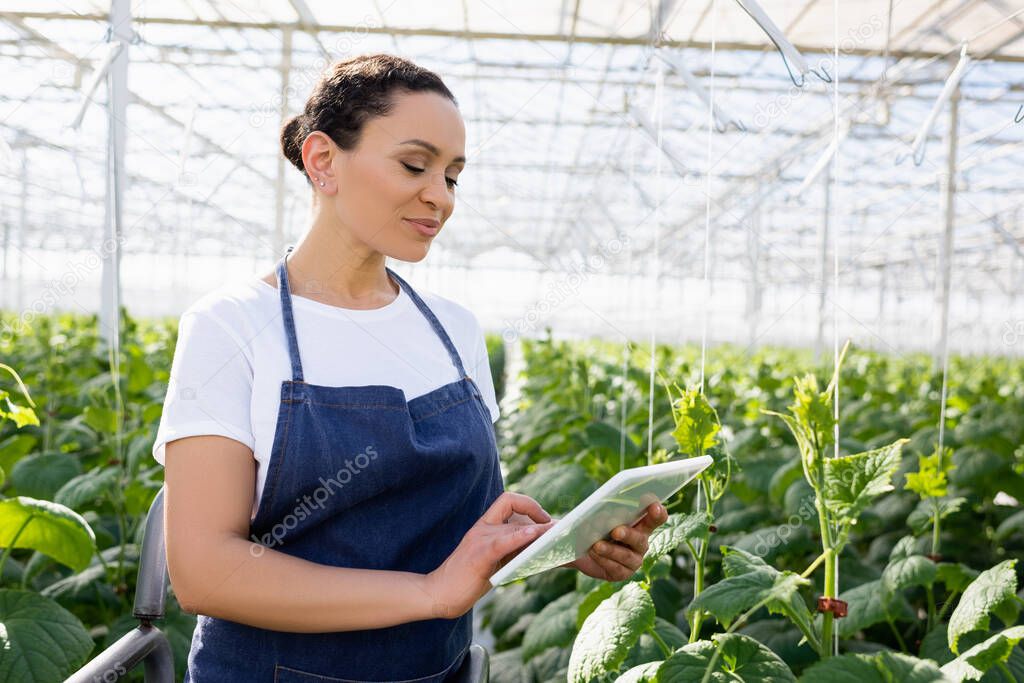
x,y
360,477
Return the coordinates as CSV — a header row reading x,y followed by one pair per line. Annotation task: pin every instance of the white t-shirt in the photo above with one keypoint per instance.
x,y
232,355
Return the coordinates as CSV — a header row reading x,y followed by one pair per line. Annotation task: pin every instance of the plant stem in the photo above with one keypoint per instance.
x,y
718,646
813,566
14,542
899,638
935,526
661,642
831,562
946,606
698,586
931,606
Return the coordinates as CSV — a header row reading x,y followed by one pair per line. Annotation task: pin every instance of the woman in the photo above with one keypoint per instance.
x,y
334,505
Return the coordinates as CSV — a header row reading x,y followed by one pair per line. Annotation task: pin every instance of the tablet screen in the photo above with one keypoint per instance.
x,y
623,499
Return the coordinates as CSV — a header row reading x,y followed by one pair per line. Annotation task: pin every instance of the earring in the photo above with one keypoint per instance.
x,y
322,183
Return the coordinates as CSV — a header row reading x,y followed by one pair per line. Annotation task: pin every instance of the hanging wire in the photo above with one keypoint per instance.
x,y
629,300
835,263
659,87
707,203
701,493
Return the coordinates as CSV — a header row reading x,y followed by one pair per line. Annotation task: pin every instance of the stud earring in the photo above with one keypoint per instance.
x,y
322,183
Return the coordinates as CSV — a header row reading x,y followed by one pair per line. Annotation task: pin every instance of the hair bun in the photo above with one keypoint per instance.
x,y
293,134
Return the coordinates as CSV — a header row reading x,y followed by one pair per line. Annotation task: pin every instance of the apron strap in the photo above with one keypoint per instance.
x,y
289,318
434,323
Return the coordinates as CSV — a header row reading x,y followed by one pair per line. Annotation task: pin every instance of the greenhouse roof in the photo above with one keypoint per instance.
x,y
560,104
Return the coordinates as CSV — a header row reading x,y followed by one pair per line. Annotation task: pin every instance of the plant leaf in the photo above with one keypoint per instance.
x,y
740,592
742,660
907,568
641,673
610,632
884,667
989,592
920,519
973,663
52,529
40,640
853,481
868,604
554,626
678,528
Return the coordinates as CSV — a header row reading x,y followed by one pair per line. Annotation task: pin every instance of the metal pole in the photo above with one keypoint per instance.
x,y
819,339
946,244
753,303
117,105
22,230
279,186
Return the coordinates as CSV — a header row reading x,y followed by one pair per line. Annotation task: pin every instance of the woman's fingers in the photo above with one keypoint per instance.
x,y
618,553
632,537
511,537
613,569
509,503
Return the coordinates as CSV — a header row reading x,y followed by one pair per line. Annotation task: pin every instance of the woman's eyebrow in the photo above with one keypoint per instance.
x,y
430,148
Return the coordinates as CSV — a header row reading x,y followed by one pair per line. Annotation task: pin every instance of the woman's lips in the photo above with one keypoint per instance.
x,y
423,229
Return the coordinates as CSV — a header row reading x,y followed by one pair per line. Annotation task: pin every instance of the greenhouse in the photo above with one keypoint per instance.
x,y
717,373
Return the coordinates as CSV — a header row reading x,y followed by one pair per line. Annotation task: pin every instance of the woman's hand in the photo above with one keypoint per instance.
x,y
619,560
511,523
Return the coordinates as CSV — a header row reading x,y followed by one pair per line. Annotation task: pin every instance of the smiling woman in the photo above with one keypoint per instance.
x,y
334,502
311,496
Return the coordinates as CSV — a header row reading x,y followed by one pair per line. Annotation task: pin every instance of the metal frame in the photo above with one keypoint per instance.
x,y
519,198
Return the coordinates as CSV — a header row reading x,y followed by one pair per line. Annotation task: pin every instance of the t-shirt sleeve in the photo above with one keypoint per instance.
x,y
210,387
481,372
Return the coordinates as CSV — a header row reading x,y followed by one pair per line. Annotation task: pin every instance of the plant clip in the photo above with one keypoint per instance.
x,y
834,605
936,558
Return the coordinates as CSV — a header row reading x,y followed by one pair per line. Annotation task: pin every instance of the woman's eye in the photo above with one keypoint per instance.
x,y
413,169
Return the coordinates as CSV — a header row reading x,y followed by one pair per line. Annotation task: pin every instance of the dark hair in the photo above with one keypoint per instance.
x,y
349,94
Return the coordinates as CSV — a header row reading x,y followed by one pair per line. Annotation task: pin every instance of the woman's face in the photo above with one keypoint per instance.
x,y
396,188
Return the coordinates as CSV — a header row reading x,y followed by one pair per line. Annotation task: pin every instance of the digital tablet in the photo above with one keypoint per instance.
x,y
623,499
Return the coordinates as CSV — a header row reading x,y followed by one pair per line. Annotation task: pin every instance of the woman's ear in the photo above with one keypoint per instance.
x,y
318,153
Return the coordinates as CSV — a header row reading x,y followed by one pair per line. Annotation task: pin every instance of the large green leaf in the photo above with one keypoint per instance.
x,y
87,487
973,663
678,528
40,641
884,667
749,581
609,632
554,626
907,568
42,474
14,447
641,673
992,591
869,604
742,660
853,481
52,529
734,595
